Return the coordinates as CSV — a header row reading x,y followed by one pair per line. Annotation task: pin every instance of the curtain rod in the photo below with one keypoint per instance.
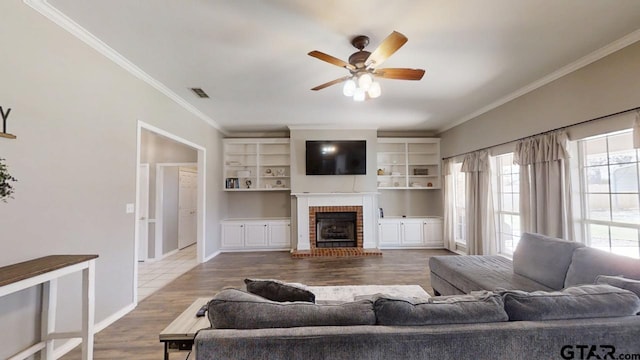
x,y
545,132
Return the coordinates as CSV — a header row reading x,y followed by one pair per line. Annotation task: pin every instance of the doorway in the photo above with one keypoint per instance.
x,y
164,150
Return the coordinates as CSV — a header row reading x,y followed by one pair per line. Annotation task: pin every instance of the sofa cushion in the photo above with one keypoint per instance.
x,y
585,301
587,263
478,307
278,291
478,272
621,282
543,259
236,309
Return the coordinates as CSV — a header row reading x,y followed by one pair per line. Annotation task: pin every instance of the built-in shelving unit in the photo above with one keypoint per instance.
x,y
408,163
256,165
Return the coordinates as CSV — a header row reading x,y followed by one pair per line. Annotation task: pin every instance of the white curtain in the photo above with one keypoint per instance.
x,y
545,184
480,231
449,204
636,131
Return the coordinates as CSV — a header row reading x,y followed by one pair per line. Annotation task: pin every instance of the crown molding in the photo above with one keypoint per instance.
x,y
331,127
60,19
565,70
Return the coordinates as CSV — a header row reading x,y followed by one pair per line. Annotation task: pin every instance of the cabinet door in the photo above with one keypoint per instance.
x,y
411,232
389,233
255,235
279,235
232,235
433,233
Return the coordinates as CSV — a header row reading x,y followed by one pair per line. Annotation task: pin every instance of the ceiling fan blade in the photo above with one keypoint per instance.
x,y
333,82
331,60
388,46
399,73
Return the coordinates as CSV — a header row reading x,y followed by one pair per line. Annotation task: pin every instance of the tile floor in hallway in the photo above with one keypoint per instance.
x,y
154,275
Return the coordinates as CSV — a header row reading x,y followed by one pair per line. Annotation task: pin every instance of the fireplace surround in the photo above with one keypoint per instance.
x,y
308,205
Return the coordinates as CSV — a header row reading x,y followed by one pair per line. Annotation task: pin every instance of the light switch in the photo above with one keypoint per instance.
x,y
131,208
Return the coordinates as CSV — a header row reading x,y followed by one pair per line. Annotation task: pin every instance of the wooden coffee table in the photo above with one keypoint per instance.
x,y
179,335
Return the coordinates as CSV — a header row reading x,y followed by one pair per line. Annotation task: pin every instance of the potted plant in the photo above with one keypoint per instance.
x,y
6,189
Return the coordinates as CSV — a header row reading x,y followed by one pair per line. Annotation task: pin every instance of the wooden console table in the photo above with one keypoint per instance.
x,y
46,271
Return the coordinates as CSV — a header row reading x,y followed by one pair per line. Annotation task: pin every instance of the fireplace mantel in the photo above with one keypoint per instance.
x,y
368,201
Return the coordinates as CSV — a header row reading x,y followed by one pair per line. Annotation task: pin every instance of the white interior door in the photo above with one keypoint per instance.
x,y
187,207
143,212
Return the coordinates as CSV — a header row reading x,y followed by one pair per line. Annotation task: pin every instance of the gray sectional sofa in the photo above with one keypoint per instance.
x,y
539,263
501,324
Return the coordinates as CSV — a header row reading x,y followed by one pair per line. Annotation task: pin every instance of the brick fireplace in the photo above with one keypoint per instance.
x,y
312,213
342,219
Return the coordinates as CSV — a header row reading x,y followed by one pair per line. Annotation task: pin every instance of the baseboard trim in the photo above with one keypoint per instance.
x,y
70,344
175,251
212,256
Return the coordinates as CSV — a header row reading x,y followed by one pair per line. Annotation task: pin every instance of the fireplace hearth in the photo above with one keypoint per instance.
x,y
336,229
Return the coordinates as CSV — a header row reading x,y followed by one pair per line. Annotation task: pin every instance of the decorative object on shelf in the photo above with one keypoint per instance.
x,y
6,189
232,183
417,171
278,182
395,173
5,116
280,172
429,185
248,183
380,172
268,172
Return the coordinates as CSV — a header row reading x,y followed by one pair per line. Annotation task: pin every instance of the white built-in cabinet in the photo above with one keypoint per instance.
x,y
260,164
255,234
408,163
410,233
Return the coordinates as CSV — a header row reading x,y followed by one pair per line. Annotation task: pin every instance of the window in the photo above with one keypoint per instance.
x,y
508,203
609,193
459,213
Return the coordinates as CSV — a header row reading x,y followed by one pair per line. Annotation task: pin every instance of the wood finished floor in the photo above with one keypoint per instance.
x,y
135,336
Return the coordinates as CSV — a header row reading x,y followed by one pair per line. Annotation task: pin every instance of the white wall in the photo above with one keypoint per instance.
x,y
170,209
607,86
75,114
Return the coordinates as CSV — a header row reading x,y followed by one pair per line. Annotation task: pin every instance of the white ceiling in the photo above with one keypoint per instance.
x,y
251,56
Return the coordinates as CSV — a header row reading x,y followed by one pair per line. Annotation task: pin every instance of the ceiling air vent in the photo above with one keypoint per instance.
x,y
200,93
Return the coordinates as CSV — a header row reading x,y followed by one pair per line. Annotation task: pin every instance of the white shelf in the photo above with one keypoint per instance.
x,y
417,153
257,154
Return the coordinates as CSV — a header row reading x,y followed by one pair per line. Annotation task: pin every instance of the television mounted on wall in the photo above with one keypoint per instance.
x,y
336,157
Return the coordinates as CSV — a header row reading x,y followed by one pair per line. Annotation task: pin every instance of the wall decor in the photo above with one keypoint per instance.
x,y
6,189
5,116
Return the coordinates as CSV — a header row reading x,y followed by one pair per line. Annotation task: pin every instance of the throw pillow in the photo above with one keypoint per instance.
x,y
236,309
278,291
584,301
621,282
477,307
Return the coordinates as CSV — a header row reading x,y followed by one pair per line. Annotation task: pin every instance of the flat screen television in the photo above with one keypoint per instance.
x,y
336,157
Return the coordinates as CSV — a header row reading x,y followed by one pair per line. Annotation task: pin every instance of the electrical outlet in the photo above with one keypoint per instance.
x,y
130,208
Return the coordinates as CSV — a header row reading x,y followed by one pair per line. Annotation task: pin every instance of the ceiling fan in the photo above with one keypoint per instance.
x,y
364,66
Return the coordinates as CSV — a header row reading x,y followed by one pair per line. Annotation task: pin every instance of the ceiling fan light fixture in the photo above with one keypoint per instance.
x,y
364,81
349,88
374,90
359,95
